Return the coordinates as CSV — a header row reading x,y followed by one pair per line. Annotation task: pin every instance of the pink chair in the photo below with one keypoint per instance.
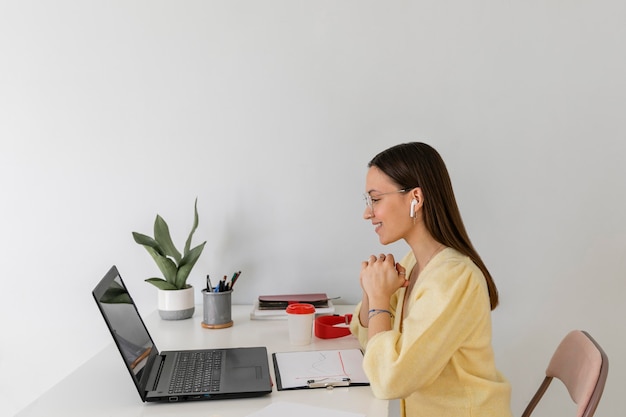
x,y
581,364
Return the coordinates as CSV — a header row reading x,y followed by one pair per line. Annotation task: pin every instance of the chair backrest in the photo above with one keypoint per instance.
x,y
581,364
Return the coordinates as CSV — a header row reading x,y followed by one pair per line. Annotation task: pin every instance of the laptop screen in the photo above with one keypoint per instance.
x,y
125,324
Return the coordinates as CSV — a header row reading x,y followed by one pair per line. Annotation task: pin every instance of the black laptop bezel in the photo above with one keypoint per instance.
x,y
98,292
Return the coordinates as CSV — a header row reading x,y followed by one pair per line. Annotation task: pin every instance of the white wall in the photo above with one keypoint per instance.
x,y
268,112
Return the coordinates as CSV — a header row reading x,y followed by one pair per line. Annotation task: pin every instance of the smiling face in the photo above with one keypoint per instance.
x,y
389,212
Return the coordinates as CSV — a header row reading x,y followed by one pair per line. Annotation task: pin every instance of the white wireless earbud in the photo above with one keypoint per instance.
x,y
413,204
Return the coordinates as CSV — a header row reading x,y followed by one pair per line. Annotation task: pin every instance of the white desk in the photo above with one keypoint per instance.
x,y
102,386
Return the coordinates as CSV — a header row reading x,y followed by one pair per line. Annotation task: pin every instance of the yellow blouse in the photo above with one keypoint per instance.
x,y
438,359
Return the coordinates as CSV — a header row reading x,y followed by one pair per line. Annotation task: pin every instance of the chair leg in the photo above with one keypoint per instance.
x,y
535,400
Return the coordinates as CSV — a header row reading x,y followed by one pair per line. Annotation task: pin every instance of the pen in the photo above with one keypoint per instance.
x,y
232,282
222,285
235,278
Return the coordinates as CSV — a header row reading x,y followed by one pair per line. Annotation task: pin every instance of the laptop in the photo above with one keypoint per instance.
x,y
171,376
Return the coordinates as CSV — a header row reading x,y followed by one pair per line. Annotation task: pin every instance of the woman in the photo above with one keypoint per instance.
x,y
425,322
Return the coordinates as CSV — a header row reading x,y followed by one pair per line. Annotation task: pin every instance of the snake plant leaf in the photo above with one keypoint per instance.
x,y
162,236
174,266
148,242
161,284
166,265
187,264
193,229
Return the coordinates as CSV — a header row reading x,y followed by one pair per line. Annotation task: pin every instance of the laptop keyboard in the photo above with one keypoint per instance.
x,y
196,372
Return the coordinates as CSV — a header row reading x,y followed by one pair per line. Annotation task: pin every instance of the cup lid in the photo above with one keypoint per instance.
x,y
300,308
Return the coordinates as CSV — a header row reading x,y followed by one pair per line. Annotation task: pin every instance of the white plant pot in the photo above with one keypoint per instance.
x,y
176,304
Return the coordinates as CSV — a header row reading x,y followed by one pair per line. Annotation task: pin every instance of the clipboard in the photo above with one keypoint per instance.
x,y
319,369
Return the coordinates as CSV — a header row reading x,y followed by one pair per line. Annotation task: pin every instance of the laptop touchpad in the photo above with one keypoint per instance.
x,y
246,372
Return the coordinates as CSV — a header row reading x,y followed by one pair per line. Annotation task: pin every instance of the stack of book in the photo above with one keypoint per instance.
x,y
274,306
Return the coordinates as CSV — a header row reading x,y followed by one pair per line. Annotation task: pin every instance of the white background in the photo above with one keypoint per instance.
x,y
268,112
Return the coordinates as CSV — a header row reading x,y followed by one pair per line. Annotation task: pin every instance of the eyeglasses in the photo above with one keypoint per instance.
x,y
369,201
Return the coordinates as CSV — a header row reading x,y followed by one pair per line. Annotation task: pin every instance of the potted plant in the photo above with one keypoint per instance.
x,y
176,297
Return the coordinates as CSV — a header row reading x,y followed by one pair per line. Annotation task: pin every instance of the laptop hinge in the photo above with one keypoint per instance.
x,y
155,373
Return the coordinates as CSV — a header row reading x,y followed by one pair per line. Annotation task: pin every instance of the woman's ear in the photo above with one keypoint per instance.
x,y
416,193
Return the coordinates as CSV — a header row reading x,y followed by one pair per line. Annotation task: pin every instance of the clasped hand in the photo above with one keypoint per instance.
x,y
381,276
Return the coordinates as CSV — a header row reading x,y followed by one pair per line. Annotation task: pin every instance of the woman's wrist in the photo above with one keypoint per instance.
x,y
373,312
378,303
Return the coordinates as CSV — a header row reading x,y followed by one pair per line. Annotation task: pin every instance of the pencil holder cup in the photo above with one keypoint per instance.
x,y
217,309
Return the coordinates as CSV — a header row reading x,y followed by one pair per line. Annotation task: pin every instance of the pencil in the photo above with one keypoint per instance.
x,y
235,278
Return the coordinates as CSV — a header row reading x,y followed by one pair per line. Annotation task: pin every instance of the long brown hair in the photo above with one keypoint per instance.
x,y
417,164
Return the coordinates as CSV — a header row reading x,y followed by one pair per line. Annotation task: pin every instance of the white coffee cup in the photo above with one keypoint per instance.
x,y
300,321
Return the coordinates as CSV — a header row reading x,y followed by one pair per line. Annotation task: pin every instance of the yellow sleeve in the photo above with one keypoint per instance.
x,y
357,328
445,306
